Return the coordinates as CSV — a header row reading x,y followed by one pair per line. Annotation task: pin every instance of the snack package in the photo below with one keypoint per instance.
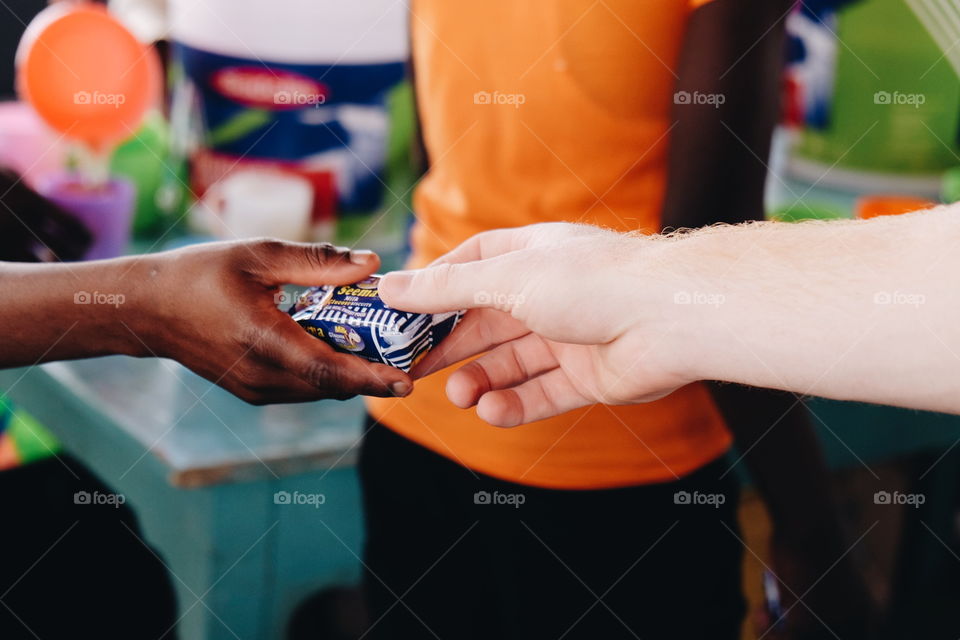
x,y
352,318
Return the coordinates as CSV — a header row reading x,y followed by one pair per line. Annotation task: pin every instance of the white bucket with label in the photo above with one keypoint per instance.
x,y
312,90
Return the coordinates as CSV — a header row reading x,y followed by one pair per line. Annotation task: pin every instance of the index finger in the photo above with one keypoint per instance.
x,y
453,286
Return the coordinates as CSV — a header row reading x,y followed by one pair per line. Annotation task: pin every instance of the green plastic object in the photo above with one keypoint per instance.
x,y
896,98
799,211
161,182
950,187
385,229
31,440
244,123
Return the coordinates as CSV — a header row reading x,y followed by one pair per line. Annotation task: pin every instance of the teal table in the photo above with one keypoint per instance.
x,y
254,508
251,508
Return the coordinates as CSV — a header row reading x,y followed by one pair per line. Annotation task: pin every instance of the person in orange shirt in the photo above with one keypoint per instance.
x,y
609,521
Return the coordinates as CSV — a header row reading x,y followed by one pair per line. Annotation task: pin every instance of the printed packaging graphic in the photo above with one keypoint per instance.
x,y
353,319
322,129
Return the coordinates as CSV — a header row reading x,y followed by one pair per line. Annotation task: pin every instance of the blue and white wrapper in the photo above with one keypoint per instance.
x,y
353,319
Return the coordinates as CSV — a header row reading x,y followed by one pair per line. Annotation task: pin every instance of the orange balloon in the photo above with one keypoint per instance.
x,y
85,74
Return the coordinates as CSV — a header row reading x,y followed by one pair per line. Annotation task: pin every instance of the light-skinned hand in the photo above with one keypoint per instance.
x,y
553,305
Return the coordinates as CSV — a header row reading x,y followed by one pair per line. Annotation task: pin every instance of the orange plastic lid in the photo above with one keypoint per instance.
x,y
873,206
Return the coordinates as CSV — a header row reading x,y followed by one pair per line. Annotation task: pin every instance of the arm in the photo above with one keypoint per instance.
x,y
717,172
213,307
733,51
851,310
854,310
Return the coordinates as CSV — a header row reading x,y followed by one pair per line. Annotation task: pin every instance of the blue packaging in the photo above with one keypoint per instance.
x,y
353,319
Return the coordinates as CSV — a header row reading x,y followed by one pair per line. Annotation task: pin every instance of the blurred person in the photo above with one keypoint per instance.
x,y
570,526
855,310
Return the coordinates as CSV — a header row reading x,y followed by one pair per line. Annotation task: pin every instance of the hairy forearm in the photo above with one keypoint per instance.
x,y
849,310
64,311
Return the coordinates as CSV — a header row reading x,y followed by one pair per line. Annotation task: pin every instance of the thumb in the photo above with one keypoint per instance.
x,y
308,264
451,287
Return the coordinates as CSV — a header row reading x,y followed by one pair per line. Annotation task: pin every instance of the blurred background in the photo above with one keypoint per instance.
x,y
306,130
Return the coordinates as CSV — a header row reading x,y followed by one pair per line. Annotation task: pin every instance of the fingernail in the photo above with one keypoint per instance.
x,y
361,256
400,389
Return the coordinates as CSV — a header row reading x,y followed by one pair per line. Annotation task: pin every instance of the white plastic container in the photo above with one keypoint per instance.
x,y
301,87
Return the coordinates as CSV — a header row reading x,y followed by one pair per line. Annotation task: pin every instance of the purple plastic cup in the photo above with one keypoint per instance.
x,y
106,210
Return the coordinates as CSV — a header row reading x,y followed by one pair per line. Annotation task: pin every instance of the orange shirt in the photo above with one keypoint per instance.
x,y
536,111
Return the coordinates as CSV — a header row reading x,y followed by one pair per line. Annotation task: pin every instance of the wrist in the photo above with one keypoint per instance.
x,y
115,307
681,300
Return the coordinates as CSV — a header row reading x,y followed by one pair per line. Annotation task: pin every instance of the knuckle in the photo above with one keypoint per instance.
x,y
478,377
245,378
519,365
441,277
321,374
485,331
254,336
322,254
253,256
268,246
